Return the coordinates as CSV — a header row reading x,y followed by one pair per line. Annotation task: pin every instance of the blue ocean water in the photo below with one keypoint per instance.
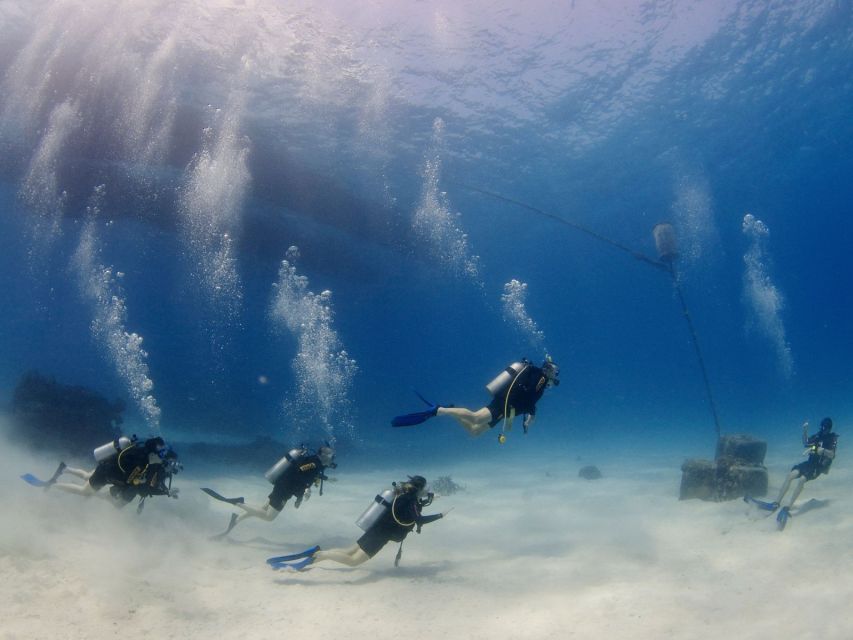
x,y
161,161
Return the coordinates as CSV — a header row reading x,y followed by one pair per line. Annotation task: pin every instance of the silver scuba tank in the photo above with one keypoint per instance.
x,y
503,379
378,508
111,448
275,471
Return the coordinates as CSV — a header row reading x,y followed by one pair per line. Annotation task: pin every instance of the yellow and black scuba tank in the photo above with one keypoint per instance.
x,y
379,507
110,449
275,471
505,377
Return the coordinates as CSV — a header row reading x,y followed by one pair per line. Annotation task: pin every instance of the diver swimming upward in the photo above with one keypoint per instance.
x,y
516,390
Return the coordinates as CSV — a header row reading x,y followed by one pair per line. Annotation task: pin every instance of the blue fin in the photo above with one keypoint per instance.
x,y
761,504
31,479
782,518
294,566
411,419
294,556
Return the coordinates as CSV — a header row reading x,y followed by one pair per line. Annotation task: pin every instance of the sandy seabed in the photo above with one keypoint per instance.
x,y
530,551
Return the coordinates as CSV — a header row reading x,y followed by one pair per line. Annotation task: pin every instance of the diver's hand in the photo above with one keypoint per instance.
x,y
173,493
528,421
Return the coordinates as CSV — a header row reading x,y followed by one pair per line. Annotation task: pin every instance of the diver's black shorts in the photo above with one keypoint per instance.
x,y
281,493
372,541
101,476
496,408
808,469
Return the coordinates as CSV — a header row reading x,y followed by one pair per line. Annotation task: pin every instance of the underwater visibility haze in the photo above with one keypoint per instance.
x,y
263,218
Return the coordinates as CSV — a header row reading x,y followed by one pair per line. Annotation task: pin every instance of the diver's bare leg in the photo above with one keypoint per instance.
x,y
798,487
80,473
351,556
787,484
85,490
265,512
474,422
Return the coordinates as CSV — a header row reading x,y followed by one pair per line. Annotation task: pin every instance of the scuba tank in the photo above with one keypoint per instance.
x,y
505,377
108,450
282,465
379,507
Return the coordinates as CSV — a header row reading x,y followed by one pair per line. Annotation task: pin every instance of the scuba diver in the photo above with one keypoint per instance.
x,y
515,390
292,476
390,517
820,449
130,467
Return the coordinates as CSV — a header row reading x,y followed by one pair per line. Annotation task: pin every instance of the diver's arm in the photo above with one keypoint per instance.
x,y
427,519
422,520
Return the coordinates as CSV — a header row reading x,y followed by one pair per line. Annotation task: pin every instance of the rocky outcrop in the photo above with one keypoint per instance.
x,y
737,470
62,418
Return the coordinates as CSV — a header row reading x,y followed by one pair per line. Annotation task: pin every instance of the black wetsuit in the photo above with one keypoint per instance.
x,y
299,475
524,392
818,464
395,524
131,474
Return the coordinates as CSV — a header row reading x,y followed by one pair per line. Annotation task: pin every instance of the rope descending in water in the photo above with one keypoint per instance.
x,y
669,267
574,225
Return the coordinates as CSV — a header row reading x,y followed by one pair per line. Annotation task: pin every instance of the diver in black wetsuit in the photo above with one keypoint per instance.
x,y
390,518
516,391
141,469
821,449
292,477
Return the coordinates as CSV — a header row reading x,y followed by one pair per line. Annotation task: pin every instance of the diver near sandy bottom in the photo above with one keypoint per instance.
x,y
820,448
516,390
132,468
292,477
391,516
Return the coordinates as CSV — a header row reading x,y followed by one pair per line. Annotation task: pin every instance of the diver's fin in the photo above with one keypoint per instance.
x,y
411,419
231,524
761,504
222,498
293,566
782,518
56,474
32,480
44,484
294,556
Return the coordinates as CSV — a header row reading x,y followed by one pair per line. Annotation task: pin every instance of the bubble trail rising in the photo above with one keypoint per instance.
x,y
762,297
324,371
99,286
